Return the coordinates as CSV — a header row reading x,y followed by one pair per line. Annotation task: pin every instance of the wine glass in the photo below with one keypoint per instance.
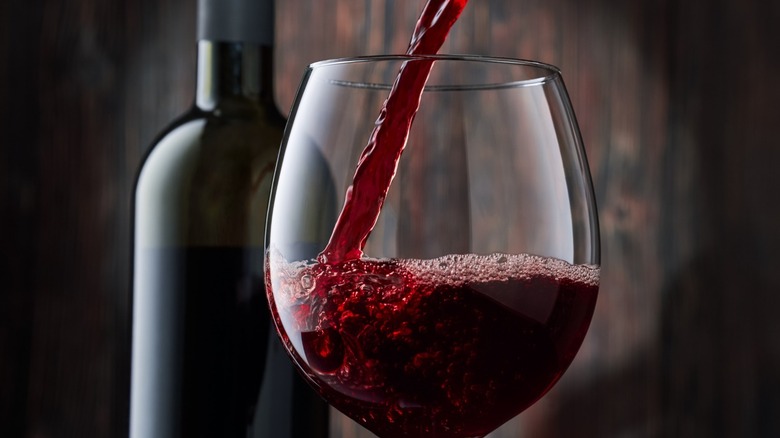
x,y
478,281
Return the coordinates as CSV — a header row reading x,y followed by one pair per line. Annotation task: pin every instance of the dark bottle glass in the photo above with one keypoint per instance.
x,y
206,361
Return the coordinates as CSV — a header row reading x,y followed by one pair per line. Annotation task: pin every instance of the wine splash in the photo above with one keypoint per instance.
x,y
379,160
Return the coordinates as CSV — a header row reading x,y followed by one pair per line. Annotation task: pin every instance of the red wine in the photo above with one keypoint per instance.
x,y
379,160
453,346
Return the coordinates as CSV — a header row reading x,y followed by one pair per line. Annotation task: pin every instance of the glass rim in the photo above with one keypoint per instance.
x,y
550,73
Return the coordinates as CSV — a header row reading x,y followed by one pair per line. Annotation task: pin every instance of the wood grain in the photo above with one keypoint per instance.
x,y
677,102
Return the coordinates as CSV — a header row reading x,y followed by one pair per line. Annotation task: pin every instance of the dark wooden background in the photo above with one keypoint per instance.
x,y
679,105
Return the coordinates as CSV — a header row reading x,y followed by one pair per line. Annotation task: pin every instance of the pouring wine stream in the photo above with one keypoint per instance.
x,y
379,161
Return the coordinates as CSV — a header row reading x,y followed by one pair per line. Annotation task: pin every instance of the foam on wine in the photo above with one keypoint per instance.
x,y
451,270
459,269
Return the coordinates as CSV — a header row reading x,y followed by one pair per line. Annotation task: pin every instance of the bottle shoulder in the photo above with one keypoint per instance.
x,y
231,114
224,133
208,176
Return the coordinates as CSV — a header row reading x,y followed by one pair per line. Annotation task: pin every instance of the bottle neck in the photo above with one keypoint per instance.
x,y
233,72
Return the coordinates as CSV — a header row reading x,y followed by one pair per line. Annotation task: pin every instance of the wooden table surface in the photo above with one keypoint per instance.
x,y
678,102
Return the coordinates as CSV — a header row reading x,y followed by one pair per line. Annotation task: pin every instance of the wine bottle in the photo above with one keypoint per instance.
x,y
206,361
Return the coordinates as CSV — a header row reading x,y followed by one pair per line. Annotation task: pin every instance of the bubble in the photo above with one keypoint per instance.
x,y
457,269
307,282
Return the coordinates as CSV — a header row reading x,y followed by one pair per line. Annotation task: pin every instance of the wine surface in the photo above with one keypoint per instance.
x,y
453,346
